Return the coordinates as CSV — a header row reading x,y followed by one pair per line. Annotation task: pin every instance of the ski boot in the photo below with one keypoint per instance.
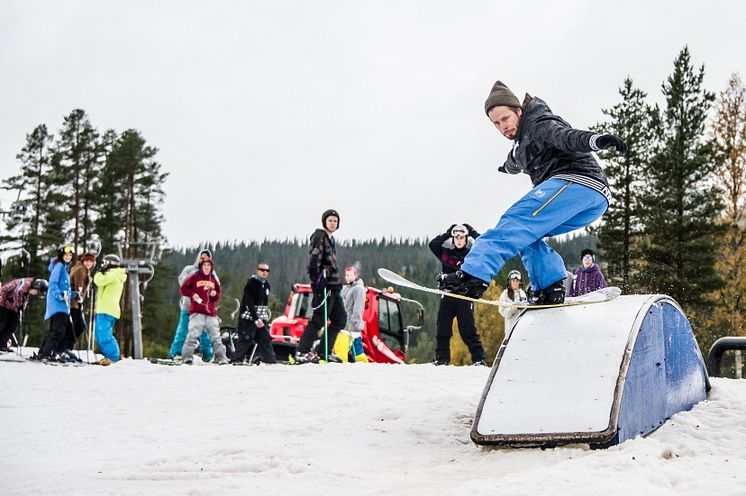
x,y
479,363
105,362
461,283
223,361
70,356
332,358
554,294
188,361
5,349
310,357
439,362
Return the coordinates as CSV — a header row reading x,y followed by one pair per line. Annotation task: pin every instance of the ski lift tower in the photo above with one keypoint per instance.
x,y
150,253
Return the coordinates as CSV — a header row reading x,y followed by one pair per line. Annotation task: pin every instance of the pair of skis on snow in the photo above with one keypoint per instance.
x,y
599,296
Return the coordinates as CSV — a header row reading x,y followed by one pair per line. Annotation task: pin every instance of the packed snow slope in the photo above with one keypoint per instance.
x,y
136,428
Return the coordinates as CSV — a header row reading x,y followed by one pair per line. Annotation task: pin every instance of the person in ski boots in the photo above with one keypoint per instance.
x,y
182,328
569,192
203,290
589,277
451,248
58,305
109,281
14,297
349,343
327,286
253,322
513,293
80,280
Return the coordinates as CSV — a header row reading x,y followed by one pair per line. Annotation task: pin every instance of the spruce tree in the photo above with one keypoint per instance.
x,y
32,224
618,235
76,174
681,201
729,130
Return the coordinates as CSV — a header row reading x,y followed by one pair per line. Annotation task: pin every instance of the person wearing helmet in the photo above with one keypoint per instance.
x,y
109,281
14,297
589,277
513,293
569,192
182,328
203,291
58,305
80,279
451,248
327,286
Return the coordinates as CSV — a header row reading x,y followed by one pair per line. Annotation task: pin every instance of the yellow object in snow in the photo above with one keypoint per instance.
x,y
343,348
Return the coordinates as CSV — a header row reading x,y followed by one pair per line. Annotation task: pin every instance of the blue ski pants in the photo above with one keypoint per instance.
x,y
105,336
553,207
182,329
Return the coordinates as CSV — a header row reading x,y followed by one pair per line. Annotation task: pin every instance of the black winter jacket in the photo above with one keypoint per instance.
x,y
255,294
321,256
450,257
547,147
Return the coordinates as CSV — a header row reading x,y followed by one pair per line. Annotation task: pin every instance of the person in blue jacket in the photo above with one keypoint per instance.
x,y
58,303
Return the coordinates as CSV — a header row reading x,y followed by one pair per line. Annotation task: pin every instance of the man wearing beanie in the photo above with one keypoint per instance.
x,y
327,286
569,192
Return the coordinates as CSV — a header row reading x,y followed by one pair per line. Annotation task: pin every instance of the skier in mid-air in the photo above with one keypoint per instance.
x,y
570,192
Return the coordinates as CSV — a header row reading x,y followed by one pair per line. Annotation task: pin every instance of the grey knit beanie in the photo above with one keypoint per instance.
x,y
500,96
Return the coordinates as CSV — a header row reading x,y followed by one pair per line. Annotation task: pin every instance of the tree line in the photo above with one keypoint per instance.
x,y
676,224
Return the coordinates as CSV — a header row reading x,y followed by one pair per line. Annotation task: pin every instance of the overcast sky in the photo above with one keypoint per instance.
x,y
267,113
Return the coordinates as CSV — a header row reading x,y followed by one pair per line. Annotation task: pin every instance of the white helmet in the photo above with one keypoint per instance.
x,y
514,274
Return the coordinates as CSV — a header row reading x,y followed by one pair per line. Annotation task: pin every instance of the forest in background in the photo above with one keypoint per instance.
x,y
677,224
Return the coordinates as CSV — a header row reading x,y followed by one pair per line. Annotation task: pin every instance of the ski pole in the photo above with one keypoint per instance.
x,y
20,332
251,358
326,328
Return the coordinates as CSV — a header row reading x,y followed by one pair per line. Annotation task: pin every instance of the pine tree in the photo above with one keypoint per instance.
x,y
31,224
76,174
131,197
729,130
681,201
618,236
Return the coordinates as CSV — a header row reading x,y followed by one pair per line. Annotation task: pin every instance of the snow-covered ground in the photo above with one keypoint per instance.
x,y
137,428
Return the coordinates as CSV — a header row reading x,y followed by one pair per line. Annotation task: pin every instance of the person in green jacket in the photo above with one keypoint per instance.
x,y
110,283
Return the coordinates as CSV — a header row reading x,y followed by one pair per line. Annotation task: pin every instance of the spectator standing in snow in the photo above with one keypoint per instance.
x,y
203,290
589,277
58,304
570,191
451,248
80,279
182,329
349,343
253,322
327,286
109,282
513,293
14,297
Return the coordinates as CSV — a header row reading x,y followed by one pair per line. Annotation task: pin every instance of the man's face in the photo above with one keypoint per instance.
x,y
505,120
331,223
587,261
350,276
459,241
262,271
88,263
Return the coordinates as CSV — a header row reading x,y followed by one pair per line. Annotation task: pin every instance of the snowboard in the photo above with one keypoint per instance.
x,y
599,296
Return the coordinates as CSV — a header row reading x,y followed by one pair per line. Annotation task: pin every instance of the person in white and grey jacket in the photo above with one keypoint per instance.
x,y
349,343
512,294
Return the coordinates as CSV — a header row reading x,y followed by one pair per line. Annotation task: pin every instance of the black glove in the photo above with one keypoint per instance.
x,y
472,232
606,141
448,232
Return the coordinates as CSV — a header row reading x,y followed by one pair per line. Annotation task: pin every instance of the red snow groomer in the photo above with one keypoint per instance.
x,y
385,338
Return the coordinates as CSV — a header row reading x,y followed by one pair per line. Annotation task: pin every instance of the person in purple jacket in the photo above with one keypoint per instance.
x,y
588,278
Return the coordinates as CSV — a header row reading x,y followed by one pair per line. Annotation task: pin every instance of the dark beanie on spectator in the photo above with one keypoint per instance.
x,y
500,96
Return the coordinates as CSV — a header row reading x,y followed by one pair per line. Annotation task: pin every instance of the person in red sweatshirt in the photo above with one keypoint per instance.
x,y
203,289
